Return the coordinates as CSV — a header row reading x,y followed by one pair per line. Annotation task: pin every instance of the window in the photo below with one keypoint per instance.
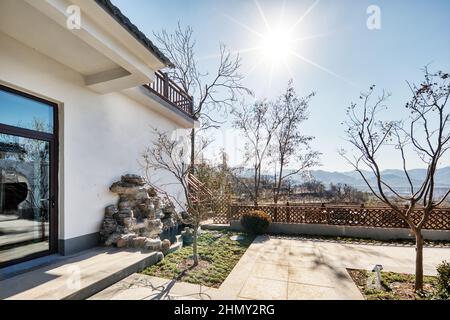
x,y
23,112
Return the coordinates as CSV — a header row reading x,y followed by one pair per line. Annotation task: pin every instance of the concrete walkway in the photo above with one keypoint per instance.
x,y
77,277
282,268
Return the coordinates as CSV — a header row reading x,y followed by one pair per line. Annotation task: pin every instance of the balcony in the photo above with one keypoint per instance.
x,y
169,91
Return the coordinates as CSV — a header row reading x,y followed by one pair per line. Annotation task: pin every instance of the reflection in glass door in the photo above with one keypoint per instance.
x,y
27,172
24,197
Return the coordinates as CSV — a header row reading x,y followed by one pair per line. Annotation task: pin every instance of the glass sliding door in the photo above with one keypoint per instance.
x,y
27,177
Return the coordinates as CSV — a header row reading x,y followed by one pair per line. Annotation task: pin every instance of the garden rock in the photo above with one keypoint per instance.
x,y
152,244
165,246
139,217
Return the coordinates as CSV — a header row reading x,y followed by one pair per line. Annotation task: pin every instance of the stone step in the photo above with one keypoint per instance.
x,y
77,277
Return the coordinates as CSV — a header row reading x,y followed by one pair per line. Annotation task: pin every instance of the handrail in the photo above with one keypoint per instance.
x,y
198,186
171,92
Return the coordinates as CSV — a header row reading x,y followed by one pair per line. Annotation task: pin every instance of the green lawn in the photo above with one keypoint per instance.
x,y
218,256
394,286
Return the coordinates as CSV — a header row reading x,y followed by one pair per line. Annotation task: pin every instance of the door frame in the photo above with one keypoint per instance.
x,y
53,140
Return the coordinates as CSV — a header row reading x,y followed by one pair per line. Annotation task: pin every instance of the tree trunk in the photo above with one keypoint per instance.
x,y
192,167
278,187
418,286
194,245
256,189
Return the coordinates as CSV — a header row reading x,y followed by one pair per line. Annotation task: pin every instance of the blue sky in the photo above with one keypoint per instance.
x,y
15,110
344,59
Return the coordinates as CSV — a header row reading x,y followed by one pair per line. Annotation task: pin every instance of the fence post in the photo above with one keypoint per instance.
x,y
327,214
166,86
288,213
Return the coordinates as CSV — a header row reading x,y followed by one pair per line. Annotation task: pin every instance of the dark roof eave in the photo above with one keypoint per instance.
x,y
115,13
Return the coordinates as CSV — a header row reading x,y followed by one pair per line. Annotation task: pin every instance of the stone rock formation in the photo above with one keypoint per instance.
x,y
139,217
165,246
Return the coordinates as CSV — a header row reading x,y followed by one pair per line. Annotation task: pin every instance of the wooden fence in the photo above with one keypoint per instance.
x,y
380,217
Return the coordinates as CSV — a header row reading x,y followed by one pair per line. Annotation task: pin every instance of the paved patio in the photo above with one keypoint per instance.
x,y
271,268
278,268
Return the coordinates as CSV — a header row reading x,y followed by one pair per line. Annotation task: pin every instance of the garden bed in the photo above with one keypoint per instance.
x,y
394,286
218,256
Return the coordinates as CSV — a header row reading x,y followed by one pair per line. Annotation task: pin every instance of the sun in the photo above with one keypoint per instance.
x,y
277,45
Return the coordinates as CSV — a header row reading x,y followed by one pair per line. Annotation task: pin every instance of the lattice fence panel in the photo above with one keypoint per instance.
x,y
315,215
221,206
382,217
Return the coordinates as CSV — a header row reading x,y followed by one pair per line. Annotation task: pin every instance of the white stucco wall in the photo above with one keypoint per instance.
x,y
101,136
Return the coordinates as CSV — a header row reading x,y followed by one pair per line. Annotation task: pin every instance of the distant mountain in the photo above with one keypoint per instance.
x,y
393,177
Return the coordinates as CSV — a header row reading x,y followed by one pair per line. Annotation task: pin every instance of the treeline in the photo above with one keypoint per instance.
x,y
222,179
339,192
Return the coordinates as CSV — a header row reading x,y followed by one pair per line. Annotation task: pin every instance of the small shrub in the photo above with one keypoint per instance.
x,y
443,281
256,221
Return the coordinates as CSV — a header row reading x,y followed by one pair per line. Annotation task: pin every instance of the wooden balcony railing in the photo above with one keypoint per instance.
x,y
168,90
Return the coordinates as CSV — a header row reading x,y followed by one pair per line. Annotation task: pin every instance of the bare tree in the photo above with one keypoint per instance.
x,y
258,128
425,133
217,90
171,155
290,145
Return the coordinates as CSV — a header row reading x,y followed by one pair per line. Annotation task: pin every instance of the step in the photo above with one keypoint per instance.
x,y
78,277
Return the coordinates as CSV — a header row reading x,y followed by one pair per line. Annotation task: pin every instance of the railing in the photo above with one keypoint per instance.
x,y
198,191
168,90
381,217
217,204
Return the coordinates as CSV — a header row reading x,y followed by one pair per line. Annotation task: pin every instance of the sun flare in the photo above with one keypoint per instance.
x,y
277,45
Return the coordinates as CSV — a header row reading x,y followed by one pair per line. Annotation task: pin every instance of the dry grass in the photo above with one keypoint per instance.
x,y
394,286
218,256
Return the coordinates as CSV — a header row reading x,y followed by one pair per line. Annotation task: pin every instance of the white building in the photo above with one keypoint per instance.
x,y
74,109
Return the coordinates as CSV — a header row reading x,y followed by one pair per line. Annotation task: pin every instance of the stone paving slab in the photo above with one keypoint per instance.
x,y
77,277
271,271
143,287
312,276
301,291
264,289
393,258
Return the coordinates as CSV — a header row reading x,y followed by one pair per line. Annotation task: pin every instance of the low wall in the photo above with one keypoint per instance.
x,y
347,231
